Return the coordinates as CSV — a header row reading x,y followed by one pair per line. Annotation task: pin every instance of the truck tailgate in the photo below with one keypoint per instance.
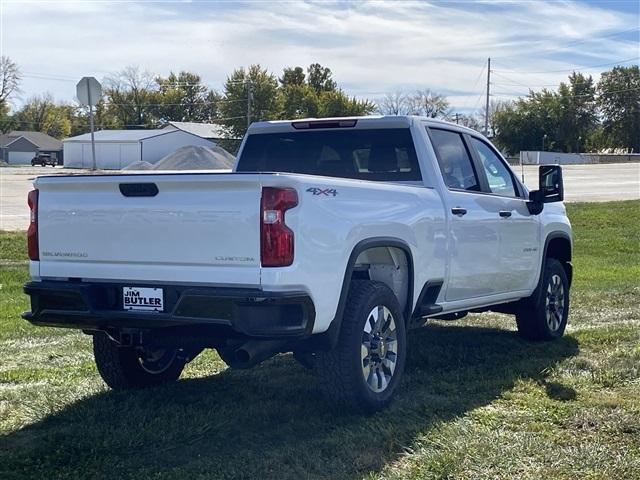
x,y
201,228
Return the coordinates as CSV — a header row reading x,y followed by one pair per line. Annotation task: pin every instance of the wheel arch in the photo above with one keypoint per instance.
x,y
329,338
558,245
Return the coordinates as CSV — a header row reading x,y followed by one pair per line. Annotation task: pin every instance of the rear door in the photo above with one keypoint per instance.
x,y
474,237
199,228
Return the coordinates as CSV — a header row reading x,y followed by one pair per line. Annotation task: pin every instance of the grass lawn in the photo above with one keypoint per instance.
x,y
476,401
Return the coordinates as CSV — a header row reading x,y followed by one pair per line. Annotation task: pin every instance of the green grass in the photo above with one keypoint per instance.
x,y
476,402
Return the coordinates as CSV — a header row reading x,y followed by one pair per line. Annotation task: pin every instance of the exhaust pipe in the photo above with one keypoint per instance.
x,y
251,353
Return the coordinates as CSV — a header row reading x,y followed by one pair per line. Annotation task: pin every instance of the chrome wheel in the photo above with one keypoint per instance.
x,y
555,303
379,349
156,361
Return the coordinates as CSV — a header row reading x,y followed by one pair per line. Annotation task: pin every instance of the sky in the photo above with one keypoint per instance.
x,y
372,47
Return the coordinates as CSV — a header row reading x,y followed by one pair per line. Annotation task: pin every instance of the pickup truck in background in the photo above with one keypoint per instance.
x,y
331,239
44,159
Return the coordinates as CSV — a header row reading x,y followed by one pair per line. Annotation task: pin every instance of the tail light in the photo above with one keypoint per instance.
x,y
276,239
32,231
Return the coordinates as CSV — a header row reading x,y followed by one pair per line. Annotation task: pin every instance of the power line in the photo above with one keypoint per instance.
x,y
617,62
475,84
222,100
213,120
513,93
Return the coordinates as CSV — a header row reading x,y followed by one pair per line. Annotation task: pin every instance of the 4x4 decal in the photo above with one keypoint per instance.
x,y
323,191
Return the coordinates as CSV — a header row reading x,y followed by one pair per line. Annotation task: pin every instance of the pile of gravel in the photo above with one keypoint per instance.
x,y
139,166
192,157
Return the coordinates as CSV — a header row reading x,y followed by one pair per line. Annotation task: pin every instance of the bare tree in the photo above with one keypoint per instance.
x,y
129,94
471,121
429,104
10,78
394,104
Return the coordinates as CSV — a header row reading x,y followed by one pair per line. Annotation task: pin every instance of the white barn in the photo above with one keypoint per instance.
x,y
115,149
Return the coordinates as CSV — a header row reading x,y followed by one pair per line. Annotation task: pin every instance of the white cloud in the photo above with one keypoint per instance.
x,y
372,47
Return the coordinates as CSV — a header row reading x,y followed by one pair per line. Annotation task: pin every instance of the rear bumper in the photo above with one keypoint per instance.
x,y
98,306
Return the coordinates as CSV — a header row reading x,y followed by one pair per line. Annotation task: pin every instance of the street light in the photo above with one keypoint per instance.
x,y
544,137
578,145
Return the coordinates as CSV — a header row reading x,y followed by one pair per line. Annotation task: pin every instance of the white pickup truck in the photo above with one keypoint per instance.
x,y
331,239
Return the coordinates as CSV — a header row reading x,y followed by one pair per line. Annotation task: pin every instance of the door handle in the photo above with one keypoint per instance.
x,y
504,213
459,211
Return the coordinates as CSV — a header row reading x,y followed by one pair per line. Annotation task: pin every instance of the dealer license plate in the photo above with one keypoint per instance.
x,y
143,299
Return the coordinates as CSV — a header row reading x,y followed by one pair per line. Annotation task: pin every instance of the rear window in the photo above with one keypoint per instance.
x,y
377,154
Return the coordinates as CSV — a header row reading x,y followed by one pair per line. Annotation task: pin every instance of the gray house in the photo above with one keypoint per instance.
x,y
18,148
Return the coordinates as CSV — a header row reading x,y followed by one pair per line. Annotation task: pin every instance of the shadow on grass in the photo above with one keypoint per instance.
x,y
271,422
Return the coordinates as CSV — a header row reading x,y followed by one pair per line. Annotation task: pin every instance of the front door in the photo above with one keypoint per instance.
x,y
519,230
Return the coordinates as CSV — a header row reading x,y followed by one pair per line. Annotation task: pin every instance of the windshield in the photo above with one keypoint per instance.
x,y
374,154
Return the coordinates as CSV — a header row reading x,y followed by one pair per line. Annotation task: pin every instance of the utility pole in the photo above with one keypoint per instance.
x,y
93,140
486,112
457,115
249,100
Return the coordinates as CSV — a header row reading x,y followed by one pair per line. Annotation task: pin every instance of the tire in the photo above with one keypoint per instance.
x,y
124,368
363,371
543,316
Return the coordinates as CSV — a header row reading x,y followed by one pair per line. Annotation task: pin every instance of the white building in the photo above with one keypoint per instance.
x,y
115,149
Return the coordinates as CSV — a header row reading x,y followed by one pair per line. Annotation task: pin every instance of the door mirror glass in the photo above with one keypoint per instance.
x,y
551,185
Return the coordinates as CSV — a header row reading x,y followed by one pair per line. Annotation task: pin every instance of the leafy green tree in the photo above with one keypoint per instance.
x,y
182,98
317,95
7,121
299,101
577,112
337,104
319,78
292,77
525,123
103,118
43,114
265,102
619,101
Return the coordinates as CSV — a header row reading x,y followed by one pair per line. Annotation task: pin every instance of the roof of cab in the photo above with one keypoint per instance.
x,y
370,121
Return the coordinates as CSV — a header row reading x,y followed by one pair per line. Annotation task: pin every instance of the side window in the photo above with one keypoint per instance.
x,y
454,160
498,175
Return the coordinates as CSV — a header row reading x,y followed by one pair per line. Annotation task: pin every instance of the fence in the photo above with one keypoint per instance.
x,y
542,158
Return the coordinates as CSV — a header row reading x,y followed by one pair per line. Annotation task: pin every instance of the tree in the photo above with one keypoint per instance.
x,y
265,102
471,121
10,78
429,104
316,95
103,118
42,114
292,77
130,97
395,104
619,101
577,115
7,121
319,78
182,98
337,104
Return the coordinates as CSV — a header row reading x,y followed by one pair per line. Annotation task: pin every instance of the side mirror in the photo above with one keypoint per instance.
x,y
551,188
